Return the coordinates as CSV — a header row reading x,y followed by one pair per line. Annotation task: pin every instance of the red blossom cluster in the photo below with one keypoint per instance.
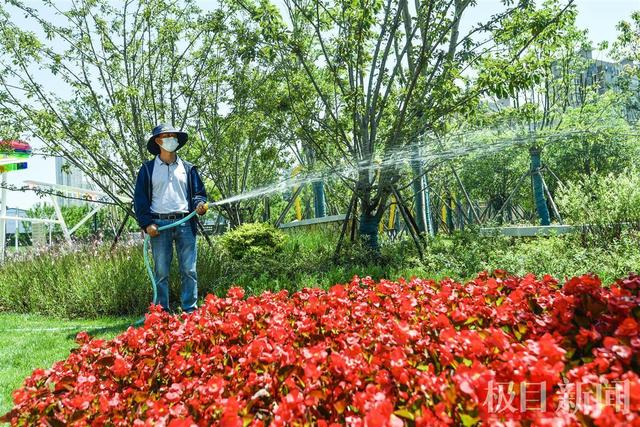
x,y
498,350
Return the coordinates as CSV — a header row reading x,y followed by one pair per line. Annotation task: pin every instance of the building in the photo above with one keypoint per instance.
x,y
597,73
10,227
606,75
69,175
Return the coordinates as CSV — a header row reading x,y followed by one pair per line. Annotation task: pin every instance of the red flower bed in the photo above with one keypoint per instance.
x,y
498,350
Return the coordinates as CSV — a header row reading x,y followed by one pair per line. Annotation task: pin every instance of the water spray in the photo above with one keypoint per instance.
x,y
402,156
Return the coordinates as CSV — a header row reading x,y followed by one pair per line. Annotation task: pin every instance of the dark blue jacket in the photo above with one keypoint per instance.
x,y
142,194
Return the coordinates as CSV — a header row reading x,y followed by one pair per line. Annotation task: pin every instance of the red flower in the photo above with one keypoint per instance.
x,y
379,415
235,292
230,416
187,422
121,367
363,353
628,328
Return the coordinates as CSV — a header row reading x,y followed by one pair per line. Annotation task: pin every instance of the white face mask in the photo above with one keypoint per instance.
x,y
170,144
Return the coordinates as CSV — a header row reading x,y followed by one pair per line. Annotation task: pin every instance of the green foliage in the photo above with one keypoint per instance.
x,y
253,240
465,253
626,48
87,282
567,256
243,145
595,139
102,76
539,44
373,80
602,200
493,177
92,282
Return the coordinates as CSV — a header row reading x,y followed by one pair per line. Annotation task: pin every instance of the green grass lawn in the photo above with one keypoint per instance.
x,y
28,342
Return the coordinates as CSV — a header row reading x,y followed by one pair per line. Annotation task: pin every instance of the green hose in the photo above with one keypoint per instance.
x,y
147,263
146,252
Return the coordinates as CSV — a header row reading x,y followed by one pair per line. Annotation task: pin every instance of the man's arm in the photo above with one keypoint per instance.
x,y
199,192
141,202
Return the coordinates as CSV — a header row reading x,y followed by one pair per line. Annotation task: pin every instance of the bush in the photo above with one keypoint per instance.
x,y
602,200
90,281
253,240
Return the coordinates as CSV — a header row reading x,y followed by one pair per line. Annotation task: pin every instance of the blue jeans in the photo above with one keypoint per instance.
x,y
162,250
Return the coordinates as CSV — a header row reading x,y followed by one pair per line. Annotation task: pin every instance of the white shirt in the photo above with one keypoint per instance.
x,y
169,187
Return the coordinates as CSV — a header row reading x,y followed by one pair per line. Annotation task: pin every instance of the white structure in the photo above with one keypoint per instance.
x,y
12,225
69,175
93,195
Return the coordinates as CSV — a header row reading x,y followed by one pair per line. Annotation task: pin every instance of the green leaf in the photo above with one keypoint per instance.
x,y
404,413
468,420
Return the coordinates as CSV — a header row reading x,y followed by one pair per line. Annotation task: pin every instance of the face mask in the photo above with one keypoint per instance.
x,y
170,144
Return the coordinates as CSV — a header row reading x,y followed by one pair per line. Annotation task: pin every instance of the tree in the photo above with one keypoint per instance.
x,y
610,149
241,138
92,88
551,75
626,49
396,72
568,111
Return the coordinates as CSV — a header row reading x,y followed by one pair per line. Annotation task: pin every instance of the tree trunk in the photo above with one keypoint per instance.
x,y
418,191
368,229
319,200
370,217
538,189
449,210
427,204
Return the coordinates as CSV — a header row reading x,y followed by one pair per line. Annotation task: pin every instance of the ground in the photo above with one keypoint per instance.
x,y
30,342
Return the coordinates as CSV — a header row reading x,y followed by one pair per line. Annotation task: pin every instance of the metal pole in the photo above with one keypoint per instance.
x,y
412,222
354,221
553,204
411,226
117,236
547,168
286,209
3,213
85,219
345,224
504,205
466,195
16,235
203,232
65,230
427,203
418,191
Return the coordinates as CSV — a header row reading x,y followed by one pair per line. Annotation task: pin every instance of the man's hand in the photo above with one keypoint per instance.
x,y
152,230
202,208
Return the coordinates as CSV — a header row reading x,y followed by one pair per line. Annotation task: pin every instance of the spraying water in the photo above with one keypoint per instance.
x,y
430,150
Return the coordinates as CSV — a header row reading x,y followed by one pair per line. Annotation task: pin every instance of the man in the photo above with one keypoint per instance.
x,y
167,189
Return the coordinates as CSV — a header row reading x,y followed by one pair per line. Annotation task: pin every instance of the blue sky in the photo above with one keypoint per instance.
x,y
598,16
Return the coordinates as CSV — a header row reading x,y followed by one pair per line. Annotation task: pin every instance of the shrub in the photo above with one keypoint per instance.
x,y
253,240
91,281
87,281
602,201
